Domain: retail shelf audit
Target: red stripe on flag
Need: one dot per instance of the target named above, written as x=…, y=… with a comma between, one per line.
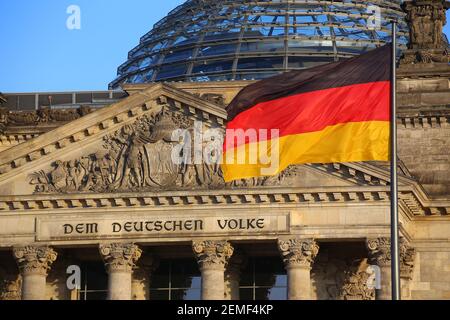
x=313, y=111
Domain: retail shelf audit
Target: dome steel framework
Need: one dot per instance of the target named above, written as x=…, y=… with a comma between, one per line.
x=213, y=40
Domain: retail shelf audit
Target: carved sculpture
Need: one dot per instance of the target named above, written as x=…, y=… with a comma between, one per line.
x=142, y=275
x=138, y=157
x=407, y=258
x=11, y=289
x=120, y=257
x=299, y=252
x=213, y=97
x=356, y=283
x=44, y=115
x=236, y=264
x=341, y=278
x=379, y=251
x=426, y=19
x=380, y=254
x=212, y=254
x=34, y=260
x=3, y=119
x=10, y=283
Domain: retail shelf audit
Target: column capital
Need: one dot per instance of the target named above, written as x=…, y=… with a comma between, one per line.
x=212, y=254
x=407, y=257
x=379, y=251
x=147, y=264
x=236, y=263
x=34, y=259
x=120, y=257
x=298, y=252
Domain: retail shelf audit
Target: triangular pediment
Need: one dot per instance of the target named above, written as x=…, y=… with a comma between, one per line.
x=31, y=164
x=127, y=147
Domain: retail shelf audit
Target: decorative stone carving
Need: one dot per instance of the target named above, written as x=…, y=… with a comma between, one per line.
x=426, y=19
x=120, y=257
x=34, y=260
x=327, y=277
x=212, y=254
x=379, y=251
x=380, y=254
x=298, y=252
x=137, y=157
x=142, y=274
x=342, y=275
x=236, y=264
x=407, y=257
x=44, y=115
x=11, y=288
x=147, y=264
x=356, y=283
x=3, y=119
x=213, y=97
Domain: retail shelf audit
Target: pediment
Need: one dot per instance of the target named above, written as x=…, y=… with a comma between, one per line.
x=76, y=145
x=127, y=147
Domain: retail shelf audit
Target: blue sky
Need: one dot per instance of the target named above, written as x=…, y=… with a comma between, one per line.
x=39, y=53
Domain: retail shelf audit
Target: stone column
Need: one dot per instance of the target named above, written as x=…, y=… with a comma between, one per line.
x=120, y=259
x=233, y=275
x=298, y=256
x=212, y=257
x=380, y=255
x=142, y=273
x=34, y=264
x=407, y=258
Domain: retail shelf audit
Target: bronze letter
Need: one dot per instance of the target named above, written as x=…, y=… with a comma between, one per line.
x=80, y=228
x=68, y=229
x=128, y=227
x=92, y=228
x=116, y=227
x=260, y=223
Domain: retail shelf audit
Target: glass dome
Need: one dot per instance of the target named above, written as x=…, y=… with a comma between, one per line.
x=214, y=40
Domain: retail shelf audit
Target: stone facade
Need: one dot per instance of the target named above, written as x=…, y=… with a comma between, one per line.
x=102, y=185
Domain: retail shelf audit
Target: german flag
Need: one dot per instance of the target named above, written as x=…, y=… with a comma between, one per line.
x=338, y=112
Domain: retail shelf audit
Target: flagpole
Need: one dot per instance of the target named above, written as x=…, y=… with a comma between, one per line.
x=395, y=265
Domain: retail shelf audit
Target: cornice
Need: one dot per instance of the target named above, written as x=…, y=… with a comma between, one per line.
x=259, y=196
x=327, y=196
x=10, y=139
x=420, y=121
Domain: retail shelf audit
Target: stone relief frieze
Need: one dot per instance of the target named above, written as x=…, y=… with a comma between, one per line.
x=138, y=157
x=342, y=279
x=213, y=97
x=135, y=157
x=44, y=115
x=426, y=21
